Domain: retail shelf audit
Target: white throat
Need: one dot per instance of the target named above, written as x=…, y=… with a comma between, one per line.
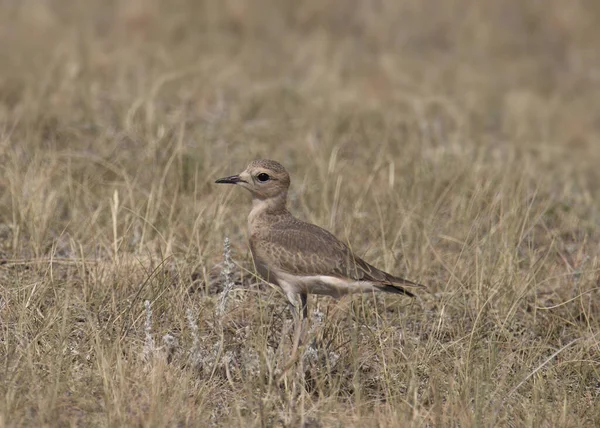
x=263, y=206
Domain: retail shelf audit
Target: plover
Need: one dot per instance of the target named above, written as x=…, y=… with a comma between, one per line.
x=300, y=257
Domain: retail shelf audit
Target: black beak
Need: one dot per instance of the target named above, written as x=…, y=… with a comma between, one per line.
x=229, y=180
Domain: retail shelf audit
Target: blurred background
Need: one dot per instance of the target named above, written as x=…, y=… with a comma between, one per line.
x=453, y=142
x=325, y=87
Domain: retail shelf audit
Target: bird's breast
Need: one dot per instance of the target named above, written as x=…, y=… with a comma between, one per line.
x=260, y=263
x=263, y=270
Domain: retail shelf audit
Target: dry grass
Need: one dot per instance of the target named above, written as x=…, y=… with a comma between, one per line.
x=456, y=143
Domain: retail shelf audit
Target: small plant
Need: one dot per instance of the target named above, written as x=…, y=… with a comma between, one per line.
x=195, y=356
x=226, y=273
x=149, y=347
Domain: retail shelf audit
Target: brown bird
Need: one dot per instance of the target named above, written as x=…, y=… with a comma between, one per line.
x=301, y=257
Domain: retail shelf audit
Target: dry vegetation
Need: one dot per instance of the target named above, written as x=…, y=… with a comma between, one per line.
x=454, y=142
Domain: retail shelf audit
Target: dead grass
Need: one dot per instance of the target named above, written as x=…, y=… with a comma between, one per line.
x=456, y=143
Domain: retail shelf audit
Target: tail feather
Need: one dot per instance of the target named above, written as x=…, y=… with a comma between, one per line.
x=388, y=288
x=396, y=286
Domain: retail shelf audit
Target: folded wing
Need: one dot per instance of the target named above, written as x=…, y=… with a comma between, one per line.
x=301, y=248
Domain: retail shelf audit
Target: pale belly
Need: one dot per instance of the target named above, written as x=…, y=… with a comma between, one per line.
x=324, y=285
x=312, y=284
x=264, y=272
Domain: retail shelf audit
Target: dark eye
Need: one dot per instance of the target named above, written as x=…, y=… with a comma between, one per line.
x=263, y=177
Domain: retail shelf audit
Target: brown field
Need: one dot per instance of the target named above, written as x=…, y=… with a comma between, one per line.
x=456, y=143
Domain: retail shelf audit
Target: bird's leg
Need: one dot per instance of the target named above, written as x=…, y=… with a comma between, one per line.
x=298, y=304
x=299, y=309
x=304, y=303
x=304, y=321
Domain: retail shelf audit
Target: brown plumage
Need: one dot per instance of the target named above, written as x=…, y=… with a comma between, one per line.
x=301, y=257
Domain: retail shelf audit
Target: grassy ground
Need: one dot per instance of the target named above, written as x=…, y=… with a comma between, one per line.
x=455, y=143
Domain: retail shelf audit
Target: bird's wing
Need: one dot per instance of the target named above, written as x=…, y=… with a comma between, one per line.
x=301, y=248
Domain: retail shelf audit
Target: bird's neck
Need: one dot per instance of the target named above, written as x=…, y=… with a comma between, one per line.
x=263, y=208
x=269, y=206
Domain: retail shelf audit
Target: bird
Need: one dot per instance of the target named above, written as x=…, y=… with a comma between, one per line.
x=300, y=257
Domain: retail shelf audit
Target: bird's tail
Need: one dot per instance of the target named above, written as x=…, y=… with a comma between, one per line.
x=398, y=286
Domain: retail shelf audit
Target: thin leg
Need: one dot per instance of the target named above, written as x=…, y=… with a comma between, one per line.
x=294, y=305
x=304, y=304
x=299, y=309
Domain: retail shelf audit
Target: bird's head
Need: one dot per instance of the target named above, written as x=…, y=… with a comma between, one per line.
x=264, y=178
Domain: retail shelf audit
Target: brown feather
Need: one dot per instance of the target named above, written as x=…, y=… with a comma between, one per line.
x=301, y=257
x=302, y=248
